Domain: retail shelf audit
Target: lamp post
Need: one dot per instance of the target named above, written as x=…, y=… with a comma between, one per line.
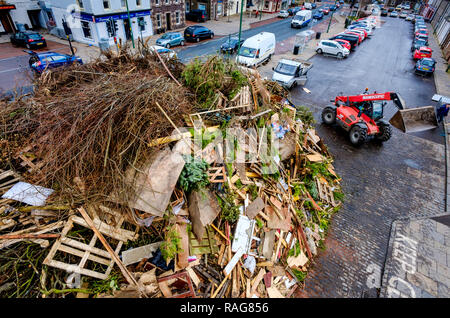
x=240, y=26
x=129, y=22
x=331, y=18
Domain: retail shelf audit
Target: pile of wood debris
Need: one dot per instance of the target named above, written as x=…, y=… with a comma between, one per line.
x=236, y=204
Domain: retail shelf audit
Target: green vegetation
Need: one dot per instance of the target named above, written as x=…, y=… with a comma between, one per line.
x=170, y=247
x=194, y=175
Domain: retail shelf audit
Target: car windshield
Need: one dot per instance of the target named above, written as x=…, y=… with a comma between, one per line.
x=427, y=62
x=299, y=17
x=165, y=36
x=285, y=69
x=247, y=52
x=34, y=36
x=230, y=41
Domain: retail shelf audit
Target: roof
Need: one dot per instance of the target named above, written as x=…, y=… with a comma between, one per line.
x=425, y=48
x=290, y=62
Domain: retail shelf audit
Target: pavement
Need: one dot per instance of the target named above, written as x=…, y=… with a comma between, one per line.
x=401, y=179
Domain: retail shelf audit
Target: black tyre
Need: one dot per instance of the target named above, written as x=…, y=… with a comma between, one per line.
x=358, y=135
x=339, y=55
x=182, y=43
x=385, y=132
x=198, y=39
x=319, y=51
x=168, y=46
x=212, y=35
x=329, y=116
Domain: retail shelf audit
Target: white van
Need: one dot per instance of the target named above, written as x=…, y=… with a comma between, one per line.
x=257, y=49
x=307, y=5
x=301, y=19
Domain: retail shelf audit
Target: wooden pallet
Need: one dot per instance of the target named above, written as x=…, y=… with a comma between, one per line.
x=325, y=193
x=7, y=180
x=178, y=281
x=217, y=174
x=205, y=246
x=86, y=252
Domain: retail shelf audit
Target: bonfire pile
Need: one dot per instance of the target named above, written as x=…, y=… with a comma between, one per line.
x=137, y=176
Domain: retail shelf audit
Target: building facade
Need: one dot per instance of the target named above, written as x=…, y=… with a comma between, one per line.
x=21, y=15
x=168, y=15
x=440, y=21
x=92, y=21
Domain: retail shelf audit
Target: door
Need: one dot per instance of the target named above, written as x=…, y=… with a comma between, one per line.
x=168, y=21
x=126, y=26
x=34, y=18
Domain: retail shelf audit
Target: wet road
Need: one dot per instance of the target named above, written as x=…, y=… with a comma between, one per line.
x=382, y=63
x=282, y=30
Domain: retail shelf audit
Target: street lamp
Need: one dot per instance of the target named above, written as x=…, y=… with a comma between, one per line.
x=240, y=26
x=130, y=24
x=331, y=18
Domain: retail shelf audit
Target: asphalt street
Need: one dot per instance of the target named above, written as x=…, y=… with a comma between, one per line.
x=382, y=63
x=14, y=72
x=282, y=30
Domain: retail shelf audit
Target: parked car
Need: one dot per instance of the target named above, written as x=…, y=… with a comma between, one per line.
x=338, y=5
x=308, y=6
x=283, y=14
x=403, y=14
x=163, y=51
x=41, y=61
x=421, y=32
x=333, y=7
x=368, y=30
x=313, y=5
x=384, y=13
x=360, y=37
x=196, y=33
x=170, y=39
x=231, y=45
x=332, y=48
x=425, y=66
x=293, y=11
x=422, y=52
x=406, y=7
x=410, y=17
x=390, y=9
x=393, y=14
x=341, y=1
x=318, y=15
x=344, y=43
x=398, y=8
x=418, y=44
x=197, y=15
x=421, y=37
x=353, y=39
x=28, y=39
x=326, y=10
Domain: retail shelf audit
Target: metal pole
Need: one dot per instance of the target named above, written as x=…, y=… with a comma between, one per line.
x=331, y=18
x=240, y=26
x=131, y=26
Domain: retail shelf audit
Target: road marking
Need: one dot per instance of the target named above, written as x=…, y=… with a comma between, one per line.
x=11, y=70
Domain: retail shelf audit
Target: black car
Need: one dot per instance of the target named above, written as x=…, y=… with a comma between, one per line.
x=28, y=39
x=353, y=39
x=195, y=33
x=313, y=5
x=231, y=45
x=418, y=44
x=197, y=15
x=293, y=11
x=333, y=8
x=384, y=13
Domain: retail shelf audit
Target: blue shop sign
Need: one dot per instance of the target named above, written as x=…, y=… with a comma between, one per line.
x=88, y=17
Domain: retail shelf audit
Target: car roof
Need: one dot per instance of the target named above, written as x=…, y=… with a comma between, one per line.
x=50, y=54
x=290, y=62
x=425, y=48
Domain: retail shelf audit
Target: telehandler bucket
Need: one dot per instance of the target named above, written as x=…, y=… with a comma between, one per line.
x=415, y=119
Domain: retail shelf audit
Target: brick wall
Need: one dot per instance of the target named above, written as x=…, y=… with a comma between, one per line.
x=161, y=8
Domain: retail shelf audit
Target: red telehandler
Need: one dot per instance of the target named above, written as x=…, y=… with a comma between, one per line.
x=362, y=116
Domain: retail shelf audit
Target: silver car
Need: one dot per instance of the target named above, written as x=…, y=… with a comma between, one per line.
x=171, y=39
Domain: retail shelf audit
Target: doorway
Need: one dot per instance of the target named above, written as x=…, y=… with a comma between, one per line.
x=168, y=21
x=34, y=19
x=6, y=23
x=126, y=25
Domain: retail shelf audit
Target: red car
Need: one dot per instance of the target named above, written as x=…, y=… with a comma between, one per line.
x=362, y=30
x=422, y=52
x=422, y=31
x=326, y=10
x=355, y=33
x=344, y=43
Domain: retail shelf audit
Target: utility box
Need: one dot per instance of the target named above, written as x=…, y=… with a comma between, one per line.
x=103, y=44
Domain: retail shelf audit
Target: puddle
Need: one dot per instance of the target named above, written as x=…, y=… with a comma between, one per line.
x=412, y=164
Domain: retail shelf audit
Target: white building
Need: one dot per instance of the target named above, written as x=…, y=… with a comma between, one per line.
x=21, y=14
x=93, y=20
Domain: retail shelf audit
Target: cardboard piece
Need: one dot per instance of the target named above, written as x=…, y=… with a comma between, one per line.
x=255, y=207
x=298, y=261
x=275, y=222
x=182, y=259
x=268, y=244
x=203, y=209
x=28, y=193
x=155, y=184
x=137, y=254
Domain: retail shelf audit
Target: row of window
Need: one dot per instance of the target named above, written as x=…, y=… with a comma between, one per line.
x=86, y=27
x=107, y=5
x=158, y=18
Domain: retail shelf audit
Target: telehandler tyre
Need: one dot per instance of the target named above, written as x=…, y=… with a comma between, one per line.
x=385, y=132
x=329, y=116
x=358, y=135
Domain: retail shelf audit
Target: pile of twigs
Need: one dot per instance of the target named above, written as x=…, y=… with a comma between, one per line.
x=97, y=123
